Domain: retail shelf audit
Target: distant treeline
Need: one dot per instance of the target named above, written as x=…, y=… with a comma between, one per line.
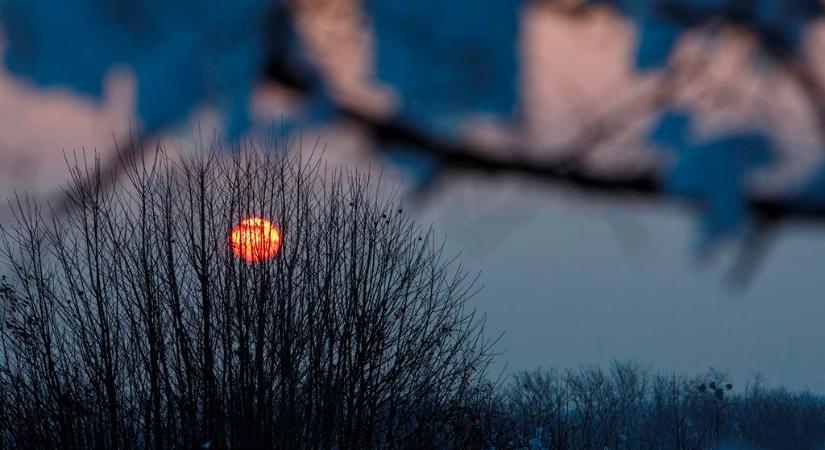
x=629, y=407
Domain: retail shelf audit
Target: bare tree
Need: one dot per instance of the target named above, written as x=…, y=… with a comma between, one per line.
x=129, y=322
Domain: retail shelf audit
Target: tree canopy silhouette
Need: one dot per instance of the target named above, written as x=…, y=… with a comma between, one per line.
x=130, y=323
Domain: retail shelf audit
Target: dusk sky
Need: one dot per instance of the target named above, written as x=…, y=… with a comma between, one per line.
x=571, y=281
x=575, y=282
x=573, y=285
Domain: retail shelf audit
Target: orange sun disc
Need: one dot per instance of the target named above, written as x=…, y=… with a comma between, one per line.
x=255, y=239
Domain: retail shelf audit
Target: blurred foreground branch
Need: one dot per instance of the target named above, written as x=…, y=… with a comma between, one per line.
x=458, y=155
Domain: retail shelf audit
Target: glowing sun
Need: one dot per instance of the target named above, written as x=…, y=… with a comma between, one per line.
x=255, y=239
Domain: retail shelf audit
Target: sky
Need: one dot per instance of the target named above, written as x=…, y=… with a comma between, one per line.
x=576, y=282
x=570, y=281
x=574, y=285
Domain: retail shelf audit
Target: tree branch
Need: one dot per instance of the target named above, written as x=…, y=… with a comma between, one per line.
x=459, y=155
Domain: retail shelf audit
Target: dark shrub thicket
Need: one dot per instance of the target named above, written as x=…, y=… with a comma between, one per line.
x=128, y=323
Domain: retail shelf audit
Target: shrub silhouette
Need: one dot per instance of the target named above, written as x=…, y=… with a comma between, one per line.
x=128, y=323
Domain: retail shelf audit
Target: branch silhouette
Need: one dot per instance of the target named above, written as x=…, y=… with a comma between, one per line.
x=567, y=172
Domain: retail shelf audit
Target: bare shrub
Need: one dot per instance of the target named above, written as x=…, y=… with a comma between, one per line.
x=128, y=322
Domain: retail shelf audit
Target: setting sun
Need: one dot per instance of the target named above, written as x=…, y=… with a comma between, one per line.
x=255, y=239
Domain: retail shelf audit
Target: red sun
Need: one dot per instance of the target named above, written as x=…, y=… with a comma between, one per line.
x=255, y=239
